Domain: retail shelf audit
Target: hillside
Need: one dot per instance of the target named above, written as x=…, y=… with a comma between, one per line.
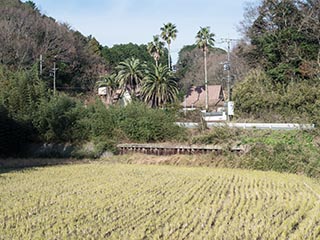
x=98, y=201
x=26, y=34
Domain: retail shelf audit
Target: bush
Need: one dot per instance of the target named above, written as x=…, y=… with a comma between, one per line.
x=282, y=151
x=143, y=124
x=60, y=120
x=218, y=135
x=259, y=97
x=135, y=122
x=102, y=121
x=21, y=92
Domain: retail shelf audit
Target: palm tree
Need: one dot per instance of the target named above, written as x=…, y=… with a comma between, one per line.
x=111, y=83
x=169, y=33
x=155, y=48
x=130, y=73
x=158, y=86
x=204, y=39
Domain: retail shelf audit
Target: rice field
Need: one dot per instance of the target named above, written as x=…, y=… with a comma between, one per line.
x=118, y=201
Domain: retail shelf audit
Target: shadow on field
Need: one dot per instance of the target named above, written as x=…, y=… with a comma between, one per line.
x=16, y=169
x=27, y=164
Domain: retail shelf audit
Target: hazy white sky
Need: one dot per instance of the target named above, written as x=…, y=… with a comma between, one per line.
x=123, y=21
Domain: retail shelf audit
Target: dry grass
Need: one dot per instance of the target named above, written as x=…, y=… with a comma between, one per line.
x=119, y=201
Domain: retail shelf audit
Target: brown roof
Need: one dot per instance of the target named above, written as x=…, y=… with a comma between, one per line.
x=196, y=96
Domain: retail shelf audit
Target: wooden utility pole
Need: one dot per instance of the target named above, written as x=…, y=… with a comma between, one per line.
x=54, y=75
x=41, y=62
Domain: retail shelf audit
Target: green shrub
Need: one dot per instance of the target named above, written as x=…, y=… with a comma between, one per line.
x=259, y=97
x=135, y=122
x=21, y=92
x=60, y=120
x=144, y=124
x=102, y=121
x=218, y=135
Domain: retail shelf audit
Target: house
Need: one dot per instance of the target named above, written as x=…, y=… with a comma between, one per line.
x=123, y=97
x=196, y=97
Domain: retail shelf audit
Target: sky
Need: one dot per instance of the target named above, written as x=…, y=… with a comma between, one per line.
x=123, y=21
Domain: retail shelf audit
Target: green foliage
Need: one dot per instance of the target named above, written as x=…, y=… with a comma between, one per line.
x=135, y=122
x=159, y=87
x=120, y=52
x=168, y=33
x=294, y=153
x=32, y=5
x=148, y=125
x=130, y=73
x=60, y=120
x=20, y=92
x=156, y=48
x=256, y=95
x=102, y=121
x=218, y=135
x=282, y=39
x=204, y=38
x=27, y=33
x=94, y=149
x=283, y=151
x=259, y=97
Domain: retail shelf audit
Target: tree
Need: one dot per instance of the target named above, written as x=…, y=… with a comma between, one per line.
x=190, y=66
x=311, y=26
x=21, y=92
x=32, y=5
x=26, y=34
x=204, y=39
x=120, y=52
x=155, y=48
x=94, y=46
x=284, y=39
x=169, y=33
x=130, y=74
x=159, y=87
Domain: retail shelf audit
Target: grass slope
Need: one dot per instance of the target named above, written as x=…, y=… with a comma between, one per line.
x=118, y=201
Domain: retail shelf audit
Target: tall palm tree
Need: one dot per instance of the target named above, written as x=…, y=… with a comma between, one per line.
x=159, y=87
x=205, y=39
x=169, y=33
x=130, y=73
x=110, y=82
x=155, y=48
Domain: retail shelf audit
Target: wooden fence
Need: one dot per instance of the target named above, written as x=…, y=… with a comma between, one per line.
x=158, y=149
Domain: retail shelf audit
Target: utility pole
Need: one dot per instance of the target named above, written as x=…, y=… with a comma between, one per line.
x=41, y=61
x=54, y=75
x=227, y=67
x=206, y=80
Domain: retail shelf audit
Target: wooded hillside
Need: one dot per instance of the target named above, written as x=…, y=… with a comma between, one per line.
x=26, y=34
x=283, y=52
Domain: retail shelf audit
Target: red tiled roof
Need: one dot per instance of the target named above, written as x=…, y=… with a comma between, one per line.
x=196, y=96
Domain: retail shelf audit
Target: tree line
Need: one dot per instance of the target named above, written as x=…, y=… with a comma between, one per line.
x=283, y=53
x=277, y=63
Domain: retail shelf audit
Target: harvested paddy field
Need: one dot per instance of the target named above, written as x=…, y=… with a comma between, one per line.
x=119, y=201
